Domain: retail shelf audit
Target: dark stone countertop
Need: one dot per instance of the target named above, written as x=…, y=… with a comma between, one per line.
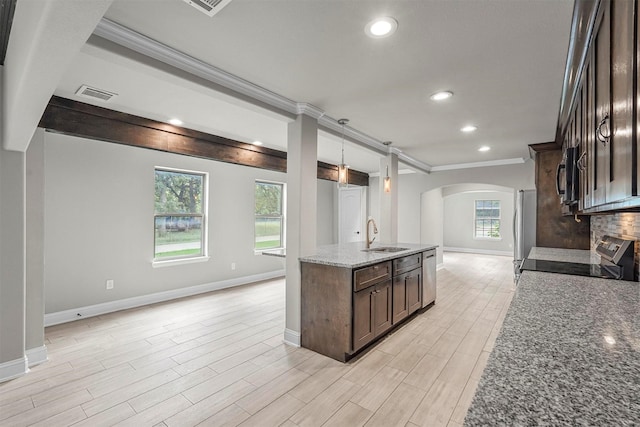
x=568, y=354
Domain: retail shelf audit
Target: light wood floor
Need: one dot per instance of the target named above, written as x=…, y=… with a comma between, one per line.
x=218, y=359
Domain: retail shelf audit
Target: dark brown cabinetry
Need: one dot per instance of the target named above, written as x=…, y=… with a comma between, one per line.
x=603, y=122
x=407, y=284
x=406, y=294
x=371, y=304
x=344, y=309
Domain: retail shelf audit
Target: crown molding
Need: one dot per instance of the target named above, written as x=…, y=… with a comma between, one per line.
x=309, y=110
x=503, y=162
x=142, y=44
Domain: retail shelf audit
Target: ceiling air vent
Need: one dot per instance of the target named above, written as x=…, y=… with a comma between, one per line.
x=208, y=7
x=92, y=92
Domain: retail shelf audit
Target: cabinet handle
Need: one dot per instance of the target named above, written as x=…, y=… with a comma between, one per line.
x=561, y=166
x=602, y=136
x=579, y=163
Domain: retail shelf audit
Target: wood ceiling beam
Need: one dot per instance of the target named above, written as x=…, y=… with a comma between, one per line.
x=75, y=118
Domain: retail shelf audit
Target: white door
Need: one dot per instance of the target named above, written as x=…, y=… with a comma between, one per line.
x=350, y=215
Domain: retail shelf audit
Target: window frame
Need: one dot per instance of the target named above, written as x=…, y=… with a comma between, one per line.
x=282, y=216
x=204, y=220
x=475, y=219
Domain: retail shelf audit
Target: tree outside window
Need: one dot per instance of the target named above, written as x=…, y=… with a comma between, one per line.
x=487, y=219
x=269, y=218
x=179, y=214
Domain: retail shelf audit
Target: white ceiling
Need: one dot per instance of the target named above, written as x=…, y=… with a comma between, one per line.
x=503, y=59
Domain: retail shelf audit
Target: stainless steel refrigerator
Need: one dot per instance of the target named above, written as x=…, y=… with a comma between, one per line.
x=524, y=227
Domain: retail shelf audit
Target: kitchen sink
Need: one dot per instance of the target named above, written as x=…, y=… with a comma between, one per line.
x=385, y=249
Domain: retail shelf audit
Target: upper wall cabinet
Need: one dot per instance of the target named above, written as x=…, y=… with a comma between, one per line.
x=603, y=123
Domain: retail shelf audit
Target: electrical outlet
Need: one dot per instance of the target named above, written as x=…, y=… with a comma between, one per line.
x=110, y=284
x=233, y=265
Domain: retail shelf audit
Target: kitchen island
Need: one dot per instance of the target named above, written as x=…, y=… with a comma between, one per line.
x=568, y=353
x=351, y=295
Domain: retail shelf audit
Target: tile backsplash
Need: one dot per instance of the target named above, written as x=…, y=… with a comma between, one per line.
x=624, y=225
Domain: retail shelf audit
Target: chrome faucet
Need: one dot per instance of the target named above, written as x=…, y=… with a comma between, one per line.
x=375, y=231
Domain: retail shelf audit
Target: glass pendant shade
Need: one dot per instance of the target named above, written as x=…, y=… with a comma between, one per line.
x=343, y=169
x=343, y=172
x=387, y=182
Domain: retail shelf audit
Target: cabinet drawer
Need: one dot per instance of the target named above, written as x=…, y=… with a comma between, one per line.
x=371, y=275
x=407, y=263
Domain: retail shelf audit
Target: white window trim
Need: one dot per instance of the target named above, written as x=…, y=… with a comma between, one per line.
x=284, y=216
x=159, y=262
x=495, y=239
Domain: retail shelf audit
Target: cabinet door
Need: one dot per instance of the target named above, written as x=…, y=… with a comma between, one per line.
x=363, y=322
x=602, y=104
x=414, y=290
x=400, y=308
x=382, y=308
x=586, y=162
x=621, y=182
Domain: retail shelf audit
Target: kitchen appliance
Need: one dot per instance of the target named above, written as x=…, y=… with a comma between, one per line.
x=524, y=227
x=616, y=262
x=567, y=177
x=428, y=277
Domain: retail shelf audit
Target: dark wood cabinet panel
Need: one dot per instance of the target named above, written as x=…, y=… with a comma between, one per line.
x=602, y=106
x=400, y=308
x=382, y=308
x=363, y=330
x=414, y=291
x=365, y=277
x=371, y=313
x=622, y=145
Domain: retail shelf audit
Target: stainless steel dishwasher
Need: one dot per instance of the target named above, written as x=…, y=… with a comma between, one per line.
x=428, y=277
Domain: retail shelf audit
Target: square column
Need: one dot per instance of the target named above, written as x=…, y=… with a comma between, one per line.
x=302, y=189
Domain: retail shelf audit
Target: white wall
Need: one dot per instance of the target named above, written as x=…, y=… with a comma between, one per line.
x=432, y=208
x=411, y=209
x=459, y=222
x=327, y=212
x=99, y=201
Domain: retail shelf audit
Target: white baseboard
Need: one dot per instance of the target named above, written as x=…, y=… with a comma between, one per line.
x=65, y=316
x=13, y=369
x=478, y=251
x=292, y=337
x=36, y=356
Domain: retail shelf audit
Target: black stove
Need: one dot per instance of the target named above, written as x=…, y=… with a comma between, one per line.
x=572, y=268
x=616, y=262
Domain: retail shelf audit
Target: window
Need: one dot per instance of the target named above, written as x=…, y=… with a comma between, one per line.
x=487, y=219
x=180, y=206
x=269, y=222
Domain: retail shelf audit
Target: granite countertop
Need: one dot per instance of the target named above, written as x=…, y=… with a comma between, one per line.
x=578, y=256
x=568, y=354
x=351, y=255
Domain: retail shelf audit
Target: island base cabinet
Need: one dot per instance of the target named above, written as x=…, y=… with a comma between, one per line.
x=371, y=314
x=344, y=310
x=406, y=294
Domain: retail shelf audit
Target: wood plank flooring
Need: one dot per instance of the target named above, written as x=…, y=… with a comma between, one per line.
x=218, y=359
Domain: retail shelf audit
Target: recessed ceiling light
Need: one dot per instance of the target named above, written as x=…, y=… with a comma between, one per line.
x=484, y=148
x=469, y=128
x=175, y=122
x=381, y=27
x=257, y=142
x=440, y=96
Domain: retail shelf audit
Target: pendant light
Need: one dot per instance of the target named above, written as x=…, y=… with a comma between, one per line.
x=387, y=182
x=387, y=179
x=343, y=170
